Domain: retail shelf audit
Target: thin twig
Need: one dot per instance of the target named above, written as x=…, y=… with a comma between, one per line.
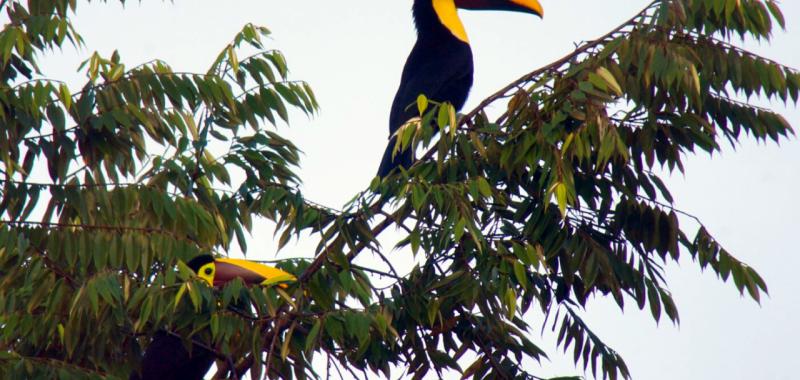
x=85, y=226
x=377, y=272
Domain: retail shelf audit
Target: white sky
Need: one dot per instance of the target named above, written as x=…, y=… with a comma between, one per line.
x=352, y=53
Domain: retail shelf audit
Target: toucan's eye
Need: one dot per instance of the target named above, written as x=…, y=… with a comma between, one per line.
x=209, y=271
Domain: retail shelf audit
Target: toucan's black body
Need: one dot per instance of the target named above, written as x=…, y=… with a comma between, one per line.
x=167, y=358
x=439, y=66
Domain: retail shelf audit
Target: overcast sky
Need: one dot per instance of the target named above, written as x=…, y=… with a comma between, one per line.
x=352, y=53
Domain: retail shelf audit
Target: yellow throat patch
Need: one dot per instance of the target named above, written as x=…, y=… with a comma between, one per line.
x=448, y=15
x=206, y=272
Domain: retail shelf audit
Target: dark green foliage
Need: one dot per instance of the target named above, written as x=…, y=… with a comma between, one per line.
x=555, y=201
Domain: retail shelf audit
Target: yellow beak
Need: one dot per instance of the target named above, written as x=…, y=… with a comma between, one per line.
x=250, y=272
x=526, y=6
x=533, y=5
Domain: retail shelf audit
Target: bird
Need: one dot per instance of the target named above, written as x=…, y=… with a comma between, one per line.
x=166, y=358
x=440, y=64
x=219, y=271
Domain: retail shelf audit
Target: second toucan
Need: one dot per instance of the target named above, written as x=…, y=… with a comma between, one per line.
x=219, y=271
x=166, y=357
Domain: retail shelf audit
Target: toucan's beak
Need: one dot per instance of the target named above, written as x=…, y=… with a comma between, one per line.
x=526, y=6
x=250, y=272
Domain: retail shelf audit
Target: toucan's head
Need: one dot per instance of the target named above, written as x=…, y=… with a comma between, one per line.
x=218, y=272
x=526, y=6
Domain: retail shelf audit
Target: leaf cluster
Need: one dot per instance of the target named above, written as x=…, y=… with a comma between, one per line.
x=106, y=188
x=558, y=200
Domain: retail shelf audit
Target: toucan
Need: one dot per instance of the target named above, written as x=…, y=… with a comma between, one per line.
x=440, y=64
x=219, y=271
x=166, y=358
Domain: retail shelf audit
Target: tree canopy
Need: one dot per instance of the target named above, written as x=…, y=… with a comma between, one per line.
x=107, y=189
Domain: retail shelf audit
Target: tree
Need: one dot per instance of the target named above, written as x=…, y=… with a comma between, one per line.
x=558, y=199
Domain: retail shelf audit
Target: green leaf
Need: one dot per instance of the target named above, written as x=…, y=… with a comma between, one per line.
x=194, y=296
x=510, y=301
x=422, y=104
x=776, y=13
x=484, y=187
x=415, y=241
x=561, y=198
x=179, y=295
x=521, y=274
x=459, y=229
x=311, y=338
x=286, y=340
x=65, y=96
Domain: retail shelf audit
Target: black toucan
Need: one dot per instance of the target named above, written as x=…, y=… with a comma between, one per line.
x=440, y=64
x=166, y=358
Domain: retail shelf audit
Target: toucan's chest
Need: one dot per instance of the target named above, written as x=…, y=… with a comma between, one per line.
x=448, y=60
x=441, y=69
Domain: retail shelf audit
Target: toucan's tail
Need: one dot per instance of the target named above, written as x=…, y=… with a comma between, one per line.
x=403, y=159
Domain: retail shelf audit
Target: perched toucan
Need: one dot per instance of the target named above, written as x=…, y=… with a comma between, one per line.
x=440, y=64
x=166, y=358
x=219, y=271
